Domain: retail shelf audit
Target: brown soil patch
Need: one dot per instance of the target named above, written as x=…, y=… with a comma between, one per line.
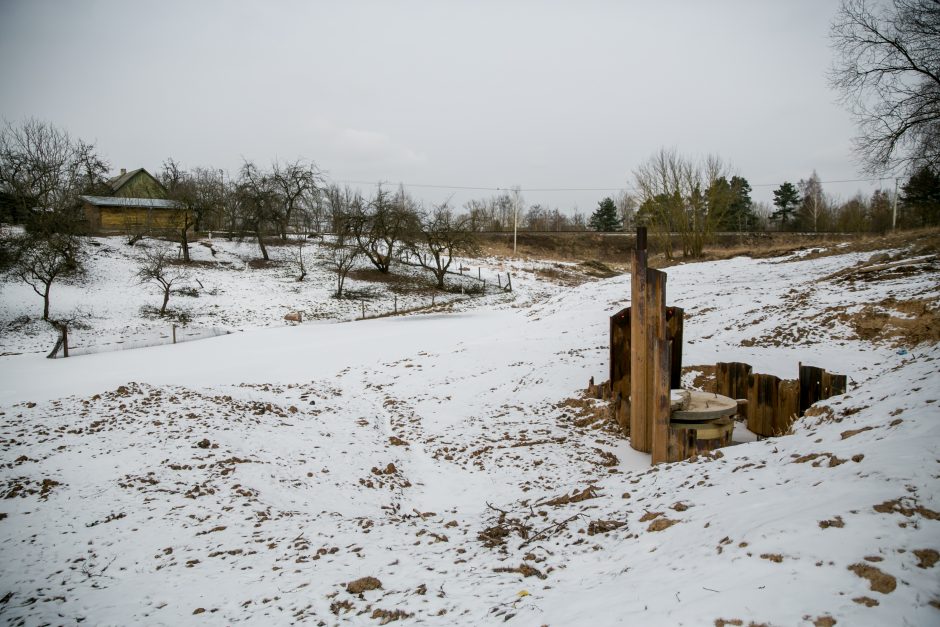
x=362, y=585
x=660, y=524
x=603, y=526
x=866, y=601
x=835, y=522
x=878, y=581
x=773, y=557
x=926, y=558
x=898, y=506
x=523, y=569
x=848, y=434
x=704, y=377
x=388, y=616
x=902, y=323
x=589, y=492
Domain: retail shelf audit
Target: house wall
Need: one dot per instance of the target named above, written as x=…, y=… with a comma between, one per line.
x=92, y=216
x=141, y=185
x=128, y=220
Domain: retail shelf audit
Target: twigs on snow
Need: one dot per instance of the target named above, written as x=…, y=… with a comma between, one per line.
x=550, y=528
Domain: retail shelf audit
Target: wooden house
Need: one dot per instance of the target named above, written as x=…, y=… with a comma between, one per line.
x=137, y=203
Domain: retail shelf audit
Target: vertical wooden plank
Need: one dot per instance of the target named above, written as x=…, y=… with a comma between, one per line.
x=660, y=371
x=732, y=379
x=839, y=384
x=810, y=386
x=674, y=323
x=620, y=367
x=788, y=405
x=762, y=403
x=639, y=433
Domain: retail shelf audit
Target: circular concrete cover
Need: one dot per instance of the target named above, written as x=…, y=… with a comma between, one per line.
x=706, y=406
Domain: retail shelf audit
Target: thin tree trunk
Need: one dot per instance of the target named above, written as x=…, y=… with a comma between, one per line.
x=45, y=301
x=184, y=242
x=264, y=251
x=166, y=299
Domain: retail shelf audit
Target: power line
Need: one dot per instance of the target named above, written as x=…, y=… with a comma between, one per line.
x=573, y=189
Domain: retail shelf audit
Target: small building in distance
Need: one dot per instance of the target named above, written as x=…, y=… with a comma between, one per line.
x=137, y=203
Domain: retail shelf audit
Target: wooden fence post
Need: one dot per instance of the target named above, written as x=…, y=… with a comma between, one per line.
x=396, y=303
x=639, y=362
x=509, y=281
x=173, y=331
x=499, y=280
x=658, y=350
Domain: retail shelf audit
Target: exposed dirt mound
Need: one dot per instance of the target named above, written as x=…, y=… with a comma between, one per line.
x=906, y=323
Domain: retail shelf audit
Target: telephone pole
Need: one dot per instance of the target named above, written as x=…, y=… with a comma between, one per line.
x=894, y=210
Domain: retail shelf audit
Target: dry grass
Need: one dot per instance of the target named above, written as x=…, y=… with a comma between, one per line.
x=615, y=248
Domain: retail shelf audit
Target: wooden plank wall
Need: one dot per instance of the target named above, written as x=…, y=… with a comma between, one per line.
x=773, y=404
x=620, y=357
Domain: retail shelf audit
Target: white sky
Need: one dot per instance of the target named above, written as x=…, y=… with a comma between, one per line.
x=465, y=93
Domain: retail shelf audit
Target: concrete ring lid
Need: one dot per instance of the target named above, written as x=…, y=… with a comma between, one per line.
x=706, y=406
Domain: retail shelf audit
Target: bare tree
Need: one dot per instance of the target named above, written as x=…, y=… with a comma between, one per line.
x=299, y=259
x=42, y=258
x=675, y=198
x=443, y=235
x=180, y=189
x=157, y=267
x=344, y=250
x=338, y=202
x=381, y=226
x=888, y=72
x=813, y=212
x=297, y=183
x=257, y=204
x=42, y=173
x=626, y=208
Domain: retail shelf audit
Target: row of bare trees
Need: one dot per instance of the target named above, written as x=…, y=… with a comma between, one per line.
x=391, y=228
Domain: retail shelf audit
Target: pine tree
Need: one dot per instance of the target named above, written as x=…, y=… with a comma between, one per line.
x=786, y=199
x=741, y=211
x=605, y=219
x=921, y=197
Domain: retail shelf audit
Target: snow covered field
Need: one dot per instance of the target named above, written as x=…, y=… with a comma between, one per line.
x=444, y=468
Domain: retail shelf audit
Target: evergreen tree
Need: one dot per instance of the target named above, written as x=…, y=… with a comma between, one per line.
x=741, y=211
x=921, y=197
x=786, y=199
x=605, y=219
x=733, y=201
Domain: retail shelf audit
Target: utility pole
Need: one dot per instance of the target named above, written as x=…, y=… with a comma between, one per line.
x=221, y=215
x=894, y=210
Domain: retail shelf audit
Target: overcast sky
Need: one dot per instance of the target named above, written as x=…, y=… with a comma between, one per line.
x=459, y=93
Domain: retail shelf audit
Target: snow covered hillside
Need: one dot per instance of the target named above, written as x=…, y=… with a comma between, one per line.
x=445, y=468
